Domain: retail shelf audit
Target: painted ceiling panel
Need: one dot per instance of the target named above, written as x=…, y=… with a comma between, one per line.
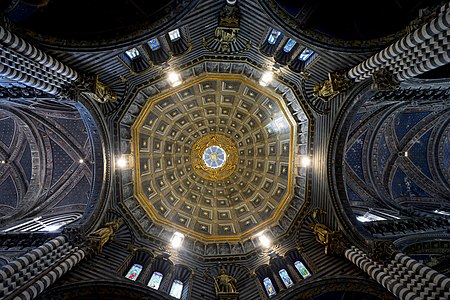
x=61, y=161
x=26, y=161
x=78, y=195
x=383, y=154
x=8, y=192
x=7, y=127
x=402, y=186
x=405, y=121
x=76, y=128
x=354, y=156
x=418, y=154
x=352, y=196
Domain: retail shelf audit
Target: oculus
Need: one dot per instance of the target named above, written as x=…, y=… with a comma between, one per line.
x=214, y=157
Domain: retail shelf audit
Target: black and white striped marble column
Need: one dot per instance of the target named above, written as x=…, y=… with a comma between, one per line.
x=420, y=51
x=29, y=275
x=406, y=278
x=17, y=44
x=22, y=62
x=48, y=279
x=440, y=284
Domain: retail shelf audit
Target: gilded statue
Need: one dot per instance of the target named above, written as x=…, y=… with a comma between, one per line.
x=336, y=83
x=224, y=283
x=321, y=233
x=334, y=241
x=324, y=90
x=104, y=234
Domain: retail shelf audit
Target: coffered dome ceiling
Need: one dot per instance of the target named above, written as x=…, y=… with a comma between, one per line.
x=214, y=158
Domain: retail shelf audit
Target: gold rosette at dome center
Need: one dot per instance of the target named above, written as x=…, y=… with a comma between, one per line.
x=199, y=165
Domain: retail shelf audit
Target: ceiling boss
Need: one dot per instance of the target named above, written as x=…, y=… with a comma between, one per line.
x=214, y=157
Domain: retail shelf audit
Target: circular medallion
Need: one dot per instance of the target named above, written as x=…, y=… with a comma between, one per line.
x=214, y=157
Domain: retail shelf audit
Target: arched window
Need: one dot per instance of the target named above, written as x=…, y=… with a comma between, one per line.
x=134, y=59
x=156, y=51
x=303, y=60
x=132, y=53
x=286, y=278
x=305, y=54
x=270, y=289
x=176, y=289
x=270, y=44
x=137, y=264
x=302, y=269
x=154, y=44
x=177, y=40
x=155, y=280
x=174, y=35
x=273, y=36
x=134, y=272
x=289, y=45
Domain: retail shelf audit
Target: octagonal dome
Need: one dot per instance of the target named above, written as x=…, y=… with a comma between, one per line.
x=214, y=158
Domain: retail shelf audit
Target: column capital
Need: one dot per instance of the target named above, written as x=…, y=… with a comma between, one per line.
x=90, y=88
x=381, y=250
x=384, y=80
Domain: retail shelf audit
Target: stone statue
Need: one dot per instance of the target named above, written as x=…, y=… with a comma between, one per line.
x=224, y=283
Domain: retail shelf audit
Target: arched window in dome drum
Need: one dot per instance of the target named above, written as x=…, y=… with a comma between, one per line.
x=176, y=289
x=154, y=44
x=134, y=272
x=289, y=45
x=155, y=280
x=273, y=36
x=302, y=269
x=286, y=278
x=269, y=287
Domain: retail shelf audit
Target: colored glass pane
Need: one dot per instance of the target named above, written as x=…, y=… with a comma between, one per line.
x=176, y=289
x=134, y=271
x=132, y=53
x=155, y=280
x=174, y=34
x=214, y=157
x=154, y=44
x=285, y=277
x=273, y=36
x=306, y=53
x=269, y=287
x=302, y=269
x=289, y=45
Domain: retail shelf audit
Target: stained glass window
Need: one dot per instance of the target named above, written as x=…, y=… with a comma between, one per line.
x=289, y=45
x=306, y=53
x=176, y=289
x=132, y=53
x=154, y=44
x=273, y=36
x=214, y=157
x=285, y=277
x=155, y=280
x=174, y=34
x=134, y=271
x=302, y=269
x=269, y=287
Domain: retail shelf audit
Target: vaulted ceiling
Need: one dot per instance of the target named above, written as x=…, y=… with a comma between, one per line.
x=157, y=127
